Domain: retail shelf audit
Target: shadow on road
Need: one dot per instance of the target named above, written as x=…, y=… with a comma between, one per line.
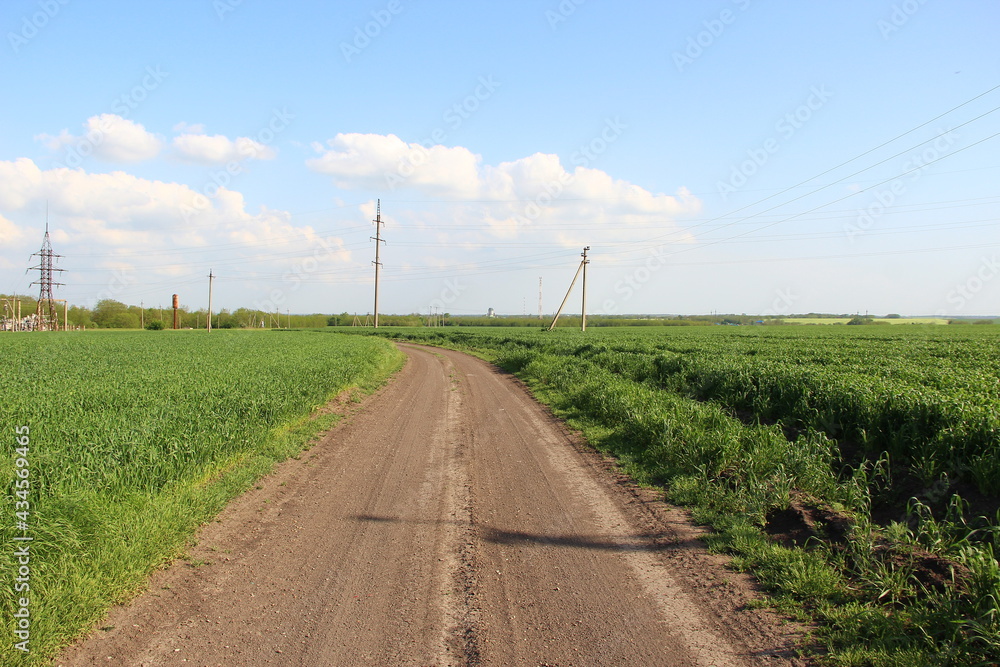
x=647, y=542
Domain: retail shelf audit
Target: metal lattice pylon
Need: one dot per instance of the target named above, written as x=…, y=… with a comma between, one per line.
x=48, y=319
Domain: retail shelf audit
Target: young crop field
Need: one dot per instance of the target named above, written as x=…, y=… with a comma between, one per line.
x=880, y=320
x=854, y=470
x=120, y=444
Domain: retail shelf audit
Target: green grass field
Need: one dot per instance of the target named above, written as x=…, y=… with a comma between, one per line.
x=845, y=320
x=130, y=440
x=854, y=469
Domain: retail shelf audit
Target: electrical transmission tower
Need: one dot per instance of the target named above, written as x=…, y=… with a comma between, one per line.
x=378, y=242
x=47, y=315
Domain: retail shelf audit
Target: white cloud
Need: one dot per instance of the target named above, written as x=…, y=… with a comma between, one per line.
x=115, y=220
x=192, y=128
x=219, y=149
x=55, y=143
x=10, y=234
x=378, y=161
x=531, y=193
x=20, y=182
x=471, y=215
x=108, y=137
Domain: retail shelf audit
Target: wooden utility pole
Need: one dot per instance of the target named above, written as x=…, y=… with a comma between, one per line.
x=142, y=317
x=378, y=242
x=583, y=309
x=12, y=311
x=583, y=268
x=210, y=279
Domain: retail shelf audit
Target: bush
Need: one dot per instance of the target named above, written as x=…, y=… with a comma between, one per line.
x=155, y=325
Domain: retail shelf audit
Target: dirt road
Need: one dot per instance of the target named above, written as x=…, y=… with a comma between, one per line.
x=449, y=521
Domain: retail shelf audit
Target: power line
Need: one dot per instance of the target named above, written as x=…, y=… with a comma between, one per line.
x=883, y=144
x=841, y=180
x=853, y=194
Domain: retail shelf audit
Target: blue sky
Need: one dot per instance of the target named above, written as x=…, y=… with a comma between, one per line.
x=729, y=156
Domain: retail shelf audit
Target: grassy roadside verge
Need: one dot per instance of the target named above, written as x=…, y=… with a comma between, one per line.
x=923, y=591
x=143, y=437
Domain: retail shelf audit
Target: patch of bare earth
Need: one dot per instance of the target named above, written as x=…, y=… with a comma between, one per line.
x=451, y=520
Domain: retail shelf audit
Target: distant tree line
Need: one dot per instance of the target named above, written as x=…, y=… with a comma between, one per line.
x=111, y=314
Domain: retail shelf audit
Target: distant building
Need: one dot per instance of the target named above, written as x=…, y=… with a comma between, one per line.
x=491, y=313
